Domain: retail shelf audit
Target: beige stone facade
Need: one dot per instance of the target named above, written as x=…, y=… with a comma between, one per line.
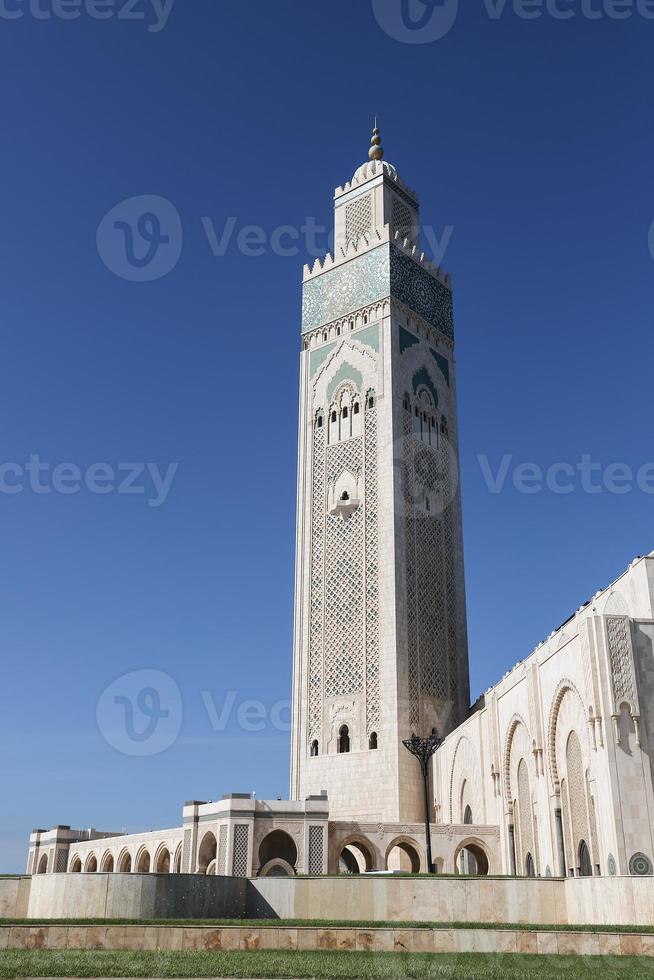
x=550, y=773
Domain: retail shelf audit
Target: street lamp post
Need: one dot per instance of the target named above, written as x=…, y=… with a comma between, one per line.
x=423, y=749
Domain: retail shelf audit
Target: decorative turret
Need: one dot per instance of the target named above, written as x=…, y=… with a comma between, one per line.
x=374, y=198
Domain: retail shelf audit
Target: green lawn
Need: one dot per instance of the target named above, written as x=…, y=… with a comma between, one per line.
x=318, y=966
x=326, y=924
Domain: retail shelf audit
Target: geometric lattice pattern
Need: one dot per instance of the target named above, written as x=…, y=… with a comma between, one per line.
x=568, y=845
x=401, y=218
x=525, y=823
x=358, y=217
x=577, y=796
x=344, y=601
x=620, y=658
x=319, y=504
x=222, y=850
x=430, y=579
x=240, y=851
x=372, y=573
x=344, y=595
x=62, y=860
x=188, y=835
x=316, y=846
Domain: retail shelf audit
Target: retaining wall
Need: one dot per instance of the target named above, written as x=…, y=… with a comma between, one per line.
x=541, y=901
x=136, y=896
x=369, y=940
x=14, y=897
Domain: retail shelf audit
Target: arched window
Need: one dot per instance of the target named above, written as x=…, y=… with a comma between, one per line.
x=355, y=408
x=344, y=739
x=585, y=866
x=345, y=496
x=372, y=741
x=467, y=816
x=314, y=747
x=319, y=421
x=345, y=411
x=530, y=868
x=371, y=402
x=334, y=416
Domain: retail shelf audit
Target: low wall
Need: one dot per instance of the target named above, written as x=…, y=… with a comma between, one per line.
x=135, y=896
x=14, y=896
x=539, y=901
x=396, y=899
x=610, y=901
x=369, y=940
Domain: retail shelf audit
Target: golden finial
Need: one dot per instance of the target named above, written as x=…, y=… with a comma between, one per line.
x=376, y=151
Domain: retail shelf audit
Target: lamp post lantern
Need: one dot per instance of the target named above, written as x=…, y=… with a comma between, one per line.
x=423, y=749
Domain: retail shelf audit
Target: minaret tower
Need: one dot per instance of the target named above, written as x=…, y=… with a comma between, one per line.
x=380, y=645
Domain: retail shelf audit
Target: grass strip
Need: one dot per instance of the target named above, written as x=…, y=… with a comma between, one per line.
x=323, y=965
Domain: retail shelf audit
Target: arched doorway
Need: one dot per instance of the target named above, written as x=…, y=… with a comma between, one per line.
x=278, y=846
x=43, y=865
x=471, y=859
x=143, y=862
x=75, y=865
x=585, y=863
x=355, y=857
x=163, y=861
x=277, y=868
x=178, y=860
x=91, y=864
x=467, y=816
x=108, y=863
x=403, y=855
x=207, y=852
x=530, y=867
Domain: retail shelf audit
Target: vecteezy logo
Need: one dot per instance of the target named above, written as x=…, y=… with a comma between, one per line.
x=140, y=713
x=416, y=21
x=140, y=239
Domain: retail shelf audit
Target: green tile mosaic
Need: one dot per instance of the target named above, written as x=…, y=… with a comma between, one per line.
x=346, y=372
x=318, y=357
x=368, y=336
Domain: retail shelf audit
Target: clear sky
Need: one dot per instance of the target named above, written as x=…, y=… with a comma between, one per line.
x=530, y=138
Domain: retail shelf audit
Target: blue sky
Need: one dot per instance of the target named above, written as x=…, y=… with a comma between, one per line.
x=530, y=138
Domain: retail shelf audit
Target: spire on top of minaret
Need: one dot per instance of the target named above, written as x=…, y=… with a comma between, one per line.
x=376, y=151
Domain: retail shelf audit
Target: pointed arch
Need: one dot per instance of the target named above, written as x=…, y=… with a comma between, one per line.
x=125, y=861
x=465, y=776
x=107, y=862
x=162, y=859
x=516, y=721
x=574, y=709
